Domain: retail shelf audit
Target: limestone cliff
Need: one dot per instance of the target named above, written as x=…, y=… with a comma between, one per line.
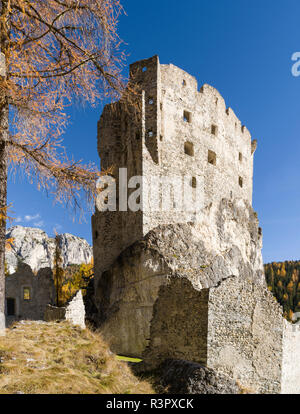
x=35, y=248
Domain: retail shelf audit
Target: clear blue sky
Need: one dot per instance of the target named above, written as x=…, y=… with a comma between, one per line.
x=244, y=49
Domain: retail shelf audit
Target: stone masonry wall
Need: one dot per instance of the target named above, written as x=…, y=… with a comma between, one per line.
x=74, y=312
x=290, y=379
x=230, y=141
x=53, y=313
x=188, y=285
x=179, y=324
x=114, y=231
x=205, y=253
x=168, y=297
x=41, y=288
x=152, y=144
x=127, y=292
x=245, y=334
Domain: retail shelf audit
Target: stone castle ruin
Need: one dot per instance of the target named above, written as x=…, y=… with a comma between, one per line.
x=188, y=285
x=27, y=293
x=29, y=283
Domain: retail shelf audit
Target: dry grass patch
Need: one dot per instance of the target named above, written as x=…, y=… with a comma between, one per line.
x=57, y=358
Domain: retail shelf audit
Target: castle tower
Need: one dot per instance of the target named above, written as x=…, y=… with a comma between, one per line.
x=177, y=283
x=180, y=132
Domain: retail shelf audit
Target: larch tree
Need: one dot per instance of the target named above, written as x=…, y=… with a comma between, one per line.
x=58, y=270
x=53, y=52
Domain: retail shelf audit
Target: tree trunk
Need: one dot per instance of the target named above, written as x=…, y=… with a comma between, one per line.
x=3, y=205
x=4, y=108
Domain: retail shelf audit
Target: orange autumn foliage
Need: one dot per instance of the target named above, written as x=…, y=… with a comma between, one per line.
x=56, y=52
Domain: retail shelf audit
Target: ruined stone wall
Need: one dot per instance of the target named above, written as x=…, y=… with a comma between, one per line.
x=127, y=292
x=41, y=288
x=74, y=311
x=227, y=242
x=212, y=129
x=54, y=313
x=245, y=334
x=188, y=285
x=235, y=328
x=290, y=379
x=152, y=143
x=179, y=324
x=174, y=294
x=119, y=146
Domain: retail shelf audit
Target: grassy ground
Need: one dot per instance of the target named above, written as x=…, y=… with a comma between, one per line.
x=56, y=358
x=128, y=359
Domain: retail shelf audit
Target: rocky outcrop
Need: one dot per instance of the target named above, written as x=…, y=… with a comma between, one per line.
x=35, y=248
x=183, y=377
x=225, y=243
x=197, y=292
x=187, y=282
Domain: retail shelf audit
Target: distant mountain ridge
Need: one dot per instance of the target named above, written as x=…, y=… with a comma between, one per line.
x=34, y=247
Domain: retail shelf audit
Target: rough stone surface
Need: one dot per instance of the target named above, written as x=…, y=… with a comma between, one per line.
x=183, y=377
x=245, y=334
x=124, y=142
x=35, y=248
x=142, y=273
x=2, y=323
x=2, y=65
x=188, y=285
x=41, y=290
x=30, y=261
x=54, y=313
x=73, y=312
x=291, y=357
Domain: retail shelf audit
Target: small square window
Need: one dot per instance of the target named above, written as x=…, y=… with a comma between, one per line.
x=241, y=182
x=212, y=157
x=189, y=148
x=184, y=82
x=187, y=116
x=214, y=130
x=26, y=293
x=194, y=182
x=240, y=157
